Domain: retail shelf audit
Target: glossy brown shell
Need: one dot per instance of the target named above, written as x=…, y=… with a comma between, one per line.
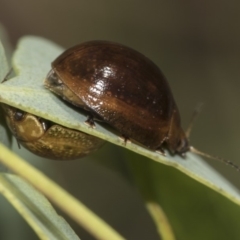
x=56, y=142
x=123, y=88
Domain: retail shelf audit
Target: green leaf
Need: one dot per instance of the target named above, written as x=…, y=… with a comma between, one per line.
x=35, y=208
x=5, y=136
x=32, y=61
x=67, y=203
x=37, y=211
x=193, y=211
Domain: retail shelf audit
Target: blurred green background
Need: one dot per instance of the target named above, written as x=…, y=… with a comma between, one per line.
x=197, y=46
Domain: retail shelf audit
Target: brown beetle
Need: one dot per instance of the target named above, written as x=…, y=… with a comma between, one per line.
x=47, y=139
x=122, y=87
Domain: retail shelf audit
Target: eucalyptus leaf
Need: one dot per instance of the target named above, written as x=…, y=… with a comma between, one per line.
x=35, y=208
x=67, y=203
x=5, y=136
x=192, y=210
x=32, y=61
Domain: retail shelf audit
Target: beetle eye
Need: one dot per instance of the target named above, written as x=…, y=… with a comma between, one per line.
x=18, y=115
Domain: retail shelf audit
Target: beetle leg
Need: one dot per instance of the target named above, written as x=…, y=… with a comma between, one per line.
x=183, y=155
x=90, y=121
x=161, y=151
x=19, y=146
x=125, y=139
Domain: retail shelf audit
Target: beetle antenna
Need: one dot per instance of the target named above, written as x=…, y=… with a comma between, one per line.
x=194, y=150
x=227, y=162
x=195, y=114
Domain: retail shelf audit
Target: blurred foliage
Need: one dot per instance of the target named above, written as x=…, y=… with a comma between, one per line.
x=194, y=211
x=197, y=45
